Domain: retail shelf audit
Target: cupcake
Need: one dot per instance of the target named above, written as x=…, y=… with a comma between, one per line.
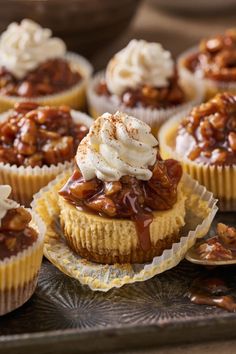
x=213, y=63
x=21, y=251
x=143, y=81
x=35, y=66
x=123, y=203
x=204, y=140
x=37, y=143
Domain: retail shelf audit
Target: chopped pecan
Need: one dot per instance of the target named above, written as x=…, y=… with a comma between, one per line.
x=213, y=127
x=37, y=136
x=15, y=219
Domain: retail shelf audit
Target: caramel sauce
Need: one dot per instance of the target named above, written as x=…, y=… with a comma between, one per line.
x=142, y=225
x=213, y=292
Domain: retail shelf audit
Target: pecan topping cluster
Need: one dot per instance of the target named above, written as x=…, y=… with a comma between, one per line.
x=37, y=136
x=129, y=196
x=220, y=247
x=15, y=233
x=216, y=57
x=213, y=126
x=148, y=96
x=52, y=76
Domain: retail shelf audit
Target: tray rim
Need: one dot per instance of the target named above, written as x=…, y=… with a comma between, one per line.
x=199, y=330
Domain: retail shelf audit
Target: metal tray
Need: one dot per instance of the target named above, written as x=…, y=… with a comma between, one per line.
x=65, y=317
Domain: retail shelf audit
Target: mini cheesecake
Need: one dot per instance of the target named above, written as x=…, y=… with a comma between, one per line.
x=212, y=63
x=36, y=144
x=21, y=251
x=123, y=203
x=204, y=141
x=36, y=66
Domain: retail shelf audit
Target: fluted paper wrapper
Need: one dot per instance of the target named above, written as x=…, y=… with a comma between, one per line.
x=74, y=97
x=19, y=274
x=200, y=211
x=220, y=180
x=99, y=104
x=210, y=87
x=26, y=181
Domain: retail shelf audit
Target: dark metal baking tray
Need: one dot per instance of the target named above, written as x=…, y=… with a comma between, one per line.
x=66, y=317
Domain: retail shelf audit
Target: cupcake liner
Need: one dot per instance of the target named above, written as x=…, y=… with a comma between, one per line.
x=200, y=211
x=26, y=181
x=210, y=87
x=153, y=117
x=18, y=274
x=220, y=180
x=75, y=97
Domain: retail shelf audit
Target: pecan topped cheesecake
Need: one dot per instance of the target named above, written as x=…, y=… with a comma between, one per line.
x=142, y=74
x=204, y=140
x=37, y=143
x=213, y=62
x=21, y=250
x=36, y=136
x=35, y=65
x=123, y=203
x=208, y=134
x=141, y=79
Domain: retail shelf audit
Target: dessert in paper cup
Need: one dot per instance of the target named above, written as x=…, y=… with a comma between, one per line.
x=36, y=144
x=21, y=252
x=36, y=66
x=204, y=141
x=123, y=214
x=142, y=80
x=212, y=64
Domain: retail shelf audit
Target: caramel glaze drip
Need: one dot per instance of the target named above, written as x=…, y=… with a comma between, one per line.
x=212, y=291
x=128, y=198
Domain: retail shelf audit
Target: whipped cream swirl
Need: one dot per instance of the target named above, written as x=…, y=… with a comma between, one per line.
x=117, y=145
x=137, y=64
x=24, y=46
x=5, y=203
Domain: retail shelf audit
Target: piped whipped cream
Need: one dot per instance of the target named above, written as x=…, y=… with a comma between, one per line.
x=5, y=203
x=117, y=145
x=25, y=45
x=137, y=64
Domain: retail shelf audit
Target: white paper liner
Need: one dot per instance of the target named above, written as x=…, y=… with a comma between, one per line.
x=76, y=61
x=200, y=211
x=100, y=104
x=210, y=87
x=19, y=273
x=25, y=181
x=220, y=180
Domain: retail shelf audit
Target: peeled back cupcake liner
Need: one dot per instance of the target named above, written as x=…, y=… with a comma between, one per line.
x=74, y=97
x=26, y=181
x=220, y=180
x=210, y=87
x=99, y=104
x=200, y=211
x=19, y=273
